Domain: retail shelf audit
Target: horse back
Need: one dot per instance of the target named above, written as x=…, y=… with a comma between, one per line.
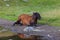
x=25, y=18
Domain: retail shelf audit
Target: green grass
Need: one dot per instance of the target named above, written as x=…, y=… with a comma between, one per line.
x=49, y=10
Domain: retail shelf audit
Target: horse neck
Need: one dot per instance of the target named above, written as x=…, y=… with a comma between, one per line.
x=35, y=19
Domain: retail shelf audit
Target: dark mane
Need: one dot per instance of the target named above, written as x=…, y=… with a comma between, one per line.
x=36, y=16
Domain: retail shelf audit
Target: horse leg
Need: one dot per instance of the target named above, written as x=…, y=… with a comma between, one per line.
x=33, y=24
x=17, y=22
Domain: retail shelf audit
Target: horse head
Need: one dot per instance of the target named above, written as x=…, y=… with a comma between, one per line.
x=36, y=15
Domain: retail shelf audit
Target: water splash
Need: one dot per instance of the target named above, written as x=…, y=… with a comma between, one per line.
x=39, y=30
x=49, y=35
x=28, y=29
x=59, y=30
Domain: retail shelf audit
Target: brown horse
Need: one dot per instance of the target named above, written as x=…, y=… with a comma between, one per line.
x=25, y=19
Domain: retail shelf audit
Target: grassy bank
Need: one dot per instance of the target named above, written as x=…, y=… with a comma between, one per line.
x=49, y=10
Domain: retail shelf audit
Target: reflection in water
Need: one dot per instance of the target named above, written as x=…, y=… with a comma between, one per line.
x=34, y=37
x=43, y=34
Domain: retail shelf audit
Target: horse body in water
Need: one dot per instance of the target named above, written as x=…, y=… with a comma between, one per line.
x=26, y=19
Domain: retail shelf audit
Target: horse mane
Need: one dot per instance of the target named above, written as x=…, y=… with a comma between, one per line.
x=36, y=16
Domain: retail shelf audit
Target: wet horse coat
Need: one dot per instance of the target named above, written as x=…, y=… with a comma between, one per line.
x=26, y=19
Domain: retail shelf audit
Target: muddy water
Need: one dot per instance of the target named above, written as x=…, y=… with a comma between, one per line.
x=48, y=32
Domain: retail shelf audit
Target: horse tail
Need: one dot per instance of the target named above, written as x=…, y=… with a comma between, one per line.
x=17, y=22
